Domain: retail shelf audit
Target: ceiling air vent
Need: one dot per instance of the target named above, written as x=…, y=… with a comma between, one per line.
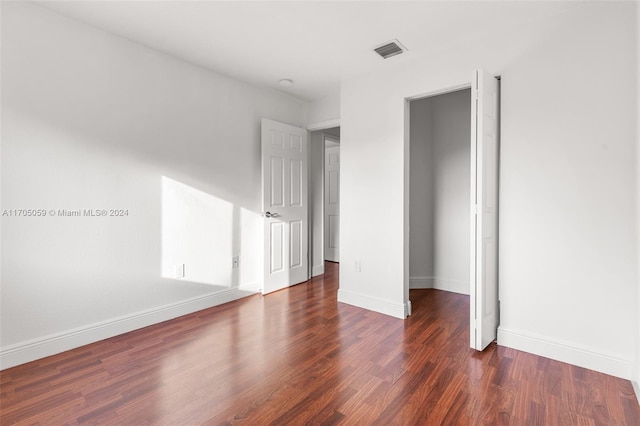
x=389, y=49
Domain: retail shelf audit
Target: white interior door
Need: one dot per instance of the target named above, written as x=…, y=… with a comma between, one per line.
x=484, y=210
x=284, y=205
x=332, y=203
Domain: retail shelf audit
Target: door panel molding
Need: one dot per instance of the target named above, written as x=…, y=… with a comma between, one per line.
x=284, y=205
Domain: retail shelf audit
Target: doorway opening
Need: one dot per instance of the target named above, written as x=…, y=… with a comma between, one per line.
x=324, y=194
x=440, y=192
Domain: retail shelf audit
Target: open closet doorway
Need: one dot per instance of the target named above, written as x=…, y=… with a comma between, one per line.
x=440, y=192
x=453, y=198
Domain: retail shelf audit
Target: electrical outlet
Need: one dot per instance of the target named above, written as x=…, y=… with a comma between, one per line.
x=236, y=261
x=358, y=266
x=179, y=270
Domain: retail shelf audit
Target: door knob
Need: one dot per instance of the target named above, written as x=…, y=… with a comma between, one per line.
x=269, y=214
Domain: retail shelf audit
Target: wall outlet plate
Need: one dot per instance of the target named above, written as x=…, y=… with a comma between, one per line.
x=179, y=270
x=236, y=261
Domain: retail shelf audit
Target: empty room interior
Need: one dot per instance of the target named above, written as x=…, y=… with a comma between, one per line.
x=297, y=212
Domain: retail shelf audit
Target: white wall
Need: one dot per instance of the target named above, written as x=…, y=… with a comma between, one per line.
x=421, y=215
x=324, y=112
x=439, y=209
x=568, y=277
x=316, y=197
x=333, y=131
x=93, y=121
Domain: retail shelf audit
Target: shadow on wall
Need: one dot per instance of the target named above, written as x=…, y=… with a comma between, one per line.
x=199, y=241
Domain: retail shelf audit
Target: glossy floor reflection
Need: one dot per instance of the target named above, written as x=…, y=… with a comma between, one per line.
x=298, y=357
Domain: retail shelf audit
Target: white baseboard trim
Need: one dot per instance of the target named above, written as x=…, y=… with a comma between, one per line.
x=438, y=283
x=565, y=352
x=31, y=350
x=453, y=286
x=317, y=270
x=398, y=310
x=417, y=283
x=636, y=389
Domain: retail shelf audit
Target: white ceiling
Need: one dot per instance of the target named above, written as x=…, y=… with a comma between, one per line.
x=316, y=44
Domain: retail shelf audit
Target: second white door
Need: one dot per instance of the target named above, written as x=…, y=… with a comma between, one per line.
x=332, y=203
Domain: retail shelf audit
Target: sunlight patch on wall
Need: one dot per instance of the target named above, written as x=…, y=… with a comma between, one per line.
x=251, y=243
x=197, y=232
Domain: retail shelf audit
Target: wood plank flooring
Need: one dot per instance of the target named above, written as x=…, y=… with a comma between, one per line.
x=298, y=357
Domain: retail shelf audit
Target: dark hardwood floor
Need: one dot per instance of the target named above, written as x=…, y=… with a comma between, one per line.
x=298, y=357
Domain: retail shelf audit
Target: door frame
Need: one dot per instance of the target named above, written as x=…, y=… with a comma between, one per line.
x=407, y=183
x=317, y=127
